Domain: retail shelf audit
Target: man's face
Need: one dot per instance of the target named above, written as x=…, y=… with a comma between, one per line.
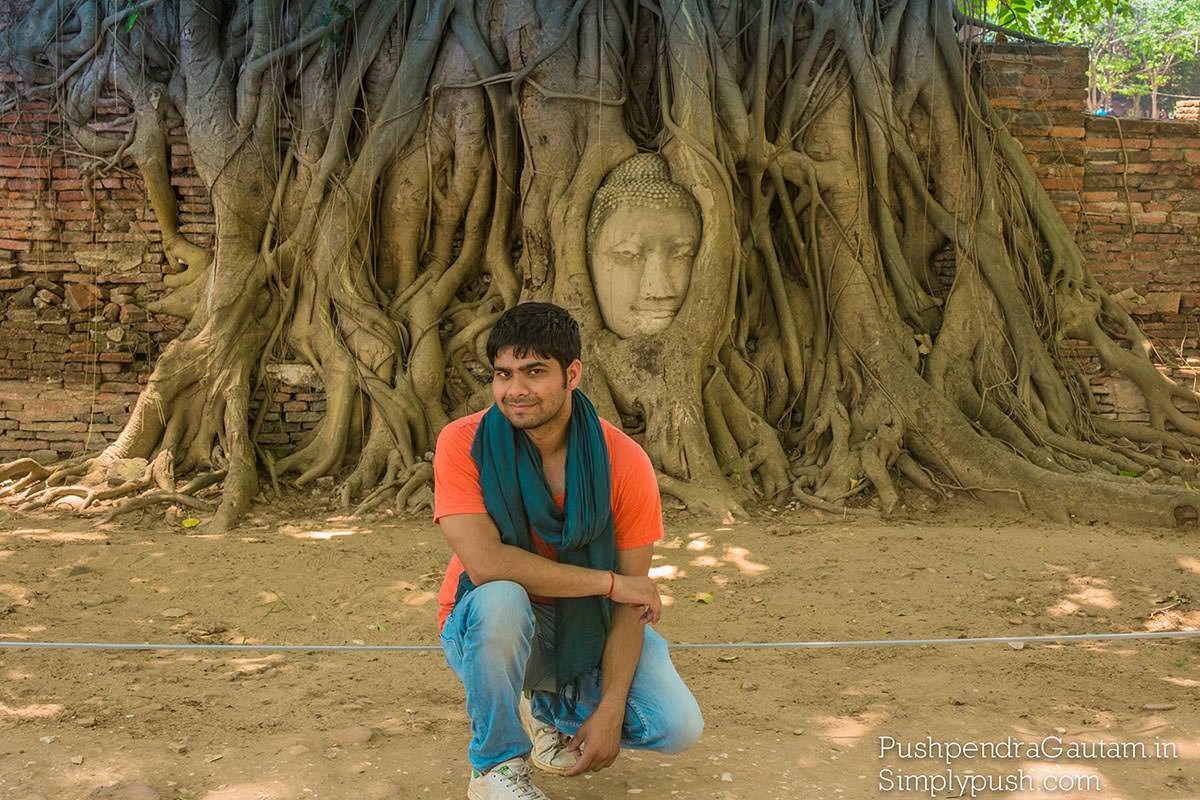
x=533, y=390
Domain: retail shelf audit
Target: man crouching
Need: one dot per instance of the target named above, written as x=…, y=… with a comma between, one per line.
x=552, y=513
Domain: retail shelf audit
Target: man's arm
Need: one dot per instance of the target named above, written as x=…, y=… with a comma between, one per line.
x=476, y=540
x=598, y=741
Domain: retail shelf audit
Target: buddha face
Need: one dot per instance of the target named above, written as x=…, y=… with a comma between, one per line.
x=641, y=264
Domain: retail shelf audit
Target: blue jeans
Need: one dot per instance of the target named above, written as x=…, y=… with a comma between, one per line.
x=499, y=643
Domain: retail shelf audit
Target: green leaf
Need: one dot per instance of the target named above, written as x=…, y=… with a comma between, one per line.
x=703, y=597
x=190, y=522
x=1128, y=473
x=1015, y=13
x=133, y=18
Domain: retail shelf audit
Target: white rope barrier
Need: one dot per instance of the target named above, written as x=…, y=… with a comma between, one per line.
x=433, y=648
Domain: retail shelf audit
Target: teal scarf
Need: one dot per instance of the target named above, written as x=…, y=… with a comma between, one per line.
x=516, y=496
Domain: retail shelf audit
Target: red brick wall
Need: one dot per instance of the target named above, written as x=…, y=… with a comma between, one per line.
x=1141, y=206
x=77, y=270
x=1041, y=92
x=74, y=354
x=1128, y=188
x=91, y=263
x=1130, y=191
x=36, y=416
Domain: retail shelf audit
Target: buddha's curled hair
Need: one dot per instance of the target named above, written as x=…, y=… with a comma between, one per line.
x=642, y=181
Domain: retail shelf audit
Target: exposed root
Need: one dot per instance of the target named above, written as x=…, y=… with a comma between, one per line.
x=154, y=498
x=23, y=468
x=124, y=490
x=202, y=481
x=415, y=494
x=52, y=495
x=408, y=480
x=823, y=505
x=374, y=459
x=21, y=488
x=910, y=469
x=21, y=479
x=696, y=498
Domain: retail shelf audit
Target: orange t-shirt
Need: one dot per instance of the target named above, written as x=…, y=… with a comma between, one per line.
x=637, y=508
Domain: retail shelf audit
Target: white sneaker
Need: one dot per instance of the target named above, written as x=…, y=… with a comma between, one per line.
x=550, y=753
x=507, y=781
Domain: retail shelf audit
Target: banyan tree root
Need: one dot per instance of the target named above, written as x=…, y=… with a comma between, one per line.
x=831, y=508
x=185, y=495
x=154, y=498
x=406, y=483
x=814, y=164
x=415, y=494
x=94, y=486
x=23, y=468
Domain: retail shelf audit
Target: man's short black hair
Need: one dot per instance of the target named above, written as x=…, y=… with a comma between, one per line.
x=543, y=329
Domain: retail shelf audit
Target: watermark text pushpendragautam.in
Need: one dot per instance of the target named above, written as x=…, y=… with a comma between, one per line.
x=1048, y=748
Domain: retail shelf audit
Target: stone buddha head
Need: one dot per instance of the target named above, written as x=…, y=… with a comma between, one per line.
x=642, y=235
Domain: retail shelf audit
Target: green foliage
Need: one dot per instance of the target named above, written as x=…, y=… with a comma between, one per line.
x=1136, y=45
x=132, y=19
x=1055, y=20
x=1137, y=52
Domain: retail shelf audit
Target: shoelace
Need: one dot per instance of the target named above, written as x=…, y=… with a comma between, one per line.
x=555, y=742
x=518, y=780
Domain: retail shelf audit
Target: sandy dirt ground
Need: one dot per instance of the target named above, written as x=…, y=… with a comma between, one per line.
x=780, y=724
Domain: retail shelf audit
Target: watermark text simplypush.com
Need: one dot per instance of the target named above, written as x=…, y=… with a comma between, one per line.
x=954, y=782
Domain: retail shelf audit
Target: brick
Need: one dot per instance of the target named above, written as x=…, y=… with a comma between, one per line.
x=273, y=438
x=1059, y=183
x=120, y=387
x=60, y=436
x=1150, y=218
x=1066, y=132
x=53, y=426
x=1172, y=142
x=11, y=444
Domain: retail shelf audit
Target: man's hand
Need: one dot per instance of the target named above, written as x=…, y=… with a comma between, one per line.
x=597, y=743
x=638, y=590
